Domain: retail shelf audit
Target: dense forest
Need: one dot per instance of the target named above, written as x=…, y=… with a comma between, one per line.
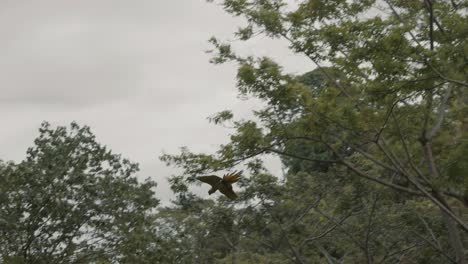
x=373, y=139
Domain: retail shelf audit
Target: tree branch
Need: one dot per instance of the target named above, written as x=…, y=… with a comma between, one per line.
x=440, y=114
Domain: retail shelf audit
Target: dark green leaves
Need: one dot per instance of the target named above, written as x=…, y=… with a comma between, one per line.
x=72, y=200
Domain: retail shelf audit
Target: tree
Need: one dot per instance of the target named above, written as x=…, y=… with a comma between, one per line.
x=391, y=109
x=73, y=201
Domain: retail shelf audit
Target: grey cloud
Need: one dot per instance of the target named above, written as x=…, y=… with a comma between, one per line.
x=77, y=53
x=135, y=71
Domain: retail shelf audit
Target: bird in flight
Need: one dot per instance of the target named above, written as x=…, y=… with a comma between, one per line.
x=222, y=184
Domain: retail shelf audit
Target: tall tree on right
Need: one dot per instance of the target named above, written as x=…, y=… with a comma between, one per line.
x=393, y=110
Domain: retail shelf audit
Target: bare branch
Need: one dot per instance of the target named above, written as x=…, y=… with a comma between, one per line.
x=434, y=246
x=440, y=114
x=368, y=230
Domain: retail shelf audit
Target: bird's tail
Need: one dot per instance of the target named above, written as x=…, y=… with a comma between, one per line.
x=232, y=177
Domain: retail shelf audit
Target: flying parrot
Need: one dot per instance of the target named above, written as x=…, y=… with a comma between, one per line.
x=222, y=184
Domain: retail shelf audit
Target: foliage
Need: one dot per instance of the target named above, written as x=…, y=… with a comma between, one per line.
x=379, y=126
x=73, y=201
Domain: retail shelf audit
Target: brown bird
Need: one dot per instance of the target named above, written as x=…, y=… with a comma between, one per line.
x=222, y=184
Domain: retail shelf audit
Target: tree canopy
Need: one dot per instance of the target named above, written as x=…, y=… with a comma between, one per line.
x=73, y=201
x=380, y=123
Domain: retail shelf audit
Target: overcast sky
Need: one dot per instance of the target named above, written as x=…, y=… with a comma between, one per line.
x=135, y=71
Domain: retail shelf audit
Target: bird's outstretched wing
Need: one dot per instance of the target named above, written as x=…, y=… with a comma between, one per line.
x=211, y=179
x=226, y=189
x=232, y=177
